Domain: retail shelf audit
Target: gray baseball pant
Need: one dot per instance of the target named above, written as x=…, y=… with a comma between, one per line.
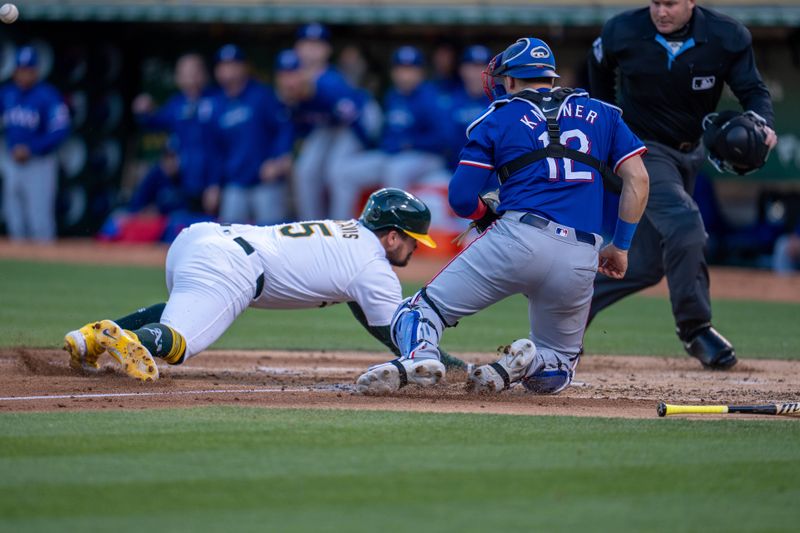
x=549, y=266
x=29, y=197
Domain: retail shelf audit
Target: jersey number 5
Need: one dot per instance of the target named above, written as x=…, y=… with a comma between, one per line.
x=568, y=165
x=290, y=230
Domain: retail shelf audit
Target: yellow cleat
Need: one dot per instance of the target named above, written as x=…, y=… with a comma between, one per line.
x=83, y=349
x=126, y=348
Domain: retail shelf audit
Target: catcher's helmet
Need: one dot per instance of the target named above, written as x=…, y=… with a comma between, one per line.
x=394, y=208
x=527, y=58
x=735, y=141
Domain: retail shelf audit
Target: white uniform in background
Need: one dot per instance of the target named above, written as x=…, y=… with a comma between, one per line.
x=214, y=272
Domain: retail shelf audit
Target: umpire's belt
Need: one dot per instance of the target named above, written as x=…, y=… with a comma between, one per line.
x=249, y=250
x=541, y=223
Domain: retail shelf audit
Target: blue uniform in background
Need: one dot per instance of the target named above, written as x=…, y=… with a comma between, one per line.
x=336, y=122
x=414, y=121
x=189, y=121
x=167, y=193
x=38, y=119
x=334, y=103
x=463, y=111
x=250, y=129
x=561, y=190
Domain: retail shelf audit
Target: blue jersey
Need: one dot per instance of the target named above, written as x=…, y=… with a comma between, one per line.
x=250, y=129
x=463, y=111
x=189, y=121
x=166, y=192
x=561, y=190
x=334, y=103
x=37, y=118
x=414, y=121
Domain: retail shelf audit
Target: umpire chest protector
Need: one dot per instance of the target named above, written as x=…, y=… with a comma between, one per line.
x=549, y=105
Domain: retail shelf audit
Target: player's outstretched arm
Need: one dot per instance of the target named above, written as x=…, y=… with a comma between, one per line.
x=633, y=199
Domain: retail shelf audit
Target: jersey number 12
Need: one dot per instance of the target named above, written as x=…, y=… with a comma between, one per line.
x=568, y=165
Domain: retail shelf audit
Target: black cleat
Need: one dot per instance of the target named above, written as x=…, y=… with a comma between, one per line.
x=710, y=348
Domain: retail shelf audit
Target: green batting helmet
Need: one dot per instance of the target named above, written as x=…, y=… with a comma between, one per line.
x=395, y=208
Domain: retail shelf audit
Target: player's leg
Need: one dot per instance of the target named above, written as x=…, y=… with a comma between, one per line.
x=13, y=208
x=558, y=311
x=84, y=351
x=39, y=191
x=307, y=179
x=270, y=202
x=234, y=205
x=211, y=284
x=483, y=274
x=558, y=285
x=349, y=177
x=645, y=269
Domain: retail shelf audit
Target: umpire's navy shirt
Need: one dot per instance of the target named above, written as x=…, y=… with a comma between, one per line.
x=668, y=87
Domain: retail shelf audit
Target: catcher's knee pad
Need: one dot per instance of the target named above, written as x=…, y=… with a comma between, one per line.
x=416, y=327
x=549, y=380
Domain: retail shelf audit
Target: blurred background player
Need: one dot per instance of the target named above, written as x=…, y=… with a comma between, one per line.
x=162, y=204
x=414, y=138
x=35, y=122
x=253, y=135
x=333, y=119
x=786, y=256
x=673, y=59
x=469, y=100
x=186, y=116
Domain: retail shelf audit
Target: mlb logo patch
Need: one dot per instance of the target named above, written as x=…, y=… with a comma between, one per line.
x=702, y=83
x=562, y=232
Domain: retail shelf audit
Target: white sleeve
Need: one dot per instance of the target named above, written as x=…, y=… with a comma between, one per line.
x=377, y=291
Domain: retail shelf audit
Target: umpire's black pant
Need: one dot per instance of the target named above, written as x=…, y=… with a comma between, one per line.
x=670, y=240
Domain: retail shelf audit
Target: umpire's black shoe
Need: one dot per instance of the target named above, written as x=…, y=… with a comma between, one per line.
x=706, y=345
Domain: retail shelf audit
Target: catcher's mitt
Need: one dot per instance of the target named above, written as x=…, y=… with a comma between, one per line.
x=491, y=200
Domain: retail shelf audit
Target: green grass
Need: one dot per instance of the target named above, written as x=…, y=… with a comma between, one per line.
x=60, y=297
x=238, y=469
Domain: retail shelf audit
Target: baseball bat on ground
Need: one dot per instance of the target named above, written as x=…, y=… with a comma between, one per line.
x=783, y=409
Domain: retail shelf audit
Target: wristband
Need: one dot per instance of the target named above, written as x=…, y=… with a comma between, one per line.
x=623, y=234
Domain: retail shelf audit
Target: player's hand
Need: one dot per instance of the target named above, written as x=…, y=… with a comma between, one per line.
x=272, y=169
x=772, y=138
x=211, y=199
x=21, y=153
x=143, y=104
x=268, y=171
x=613, y=262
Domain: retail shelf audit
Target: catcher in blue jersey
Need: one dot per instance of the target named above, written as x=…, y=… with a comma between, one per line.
x=547, y=152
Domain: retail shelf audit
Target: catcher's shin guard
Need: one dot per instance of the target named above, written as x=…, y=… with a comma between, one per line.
x=416, y=329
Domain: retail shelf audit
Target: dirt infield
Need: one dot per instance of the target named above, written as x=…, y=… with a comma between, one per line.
x=726, y=283
x=606, y=386
x=609, y=386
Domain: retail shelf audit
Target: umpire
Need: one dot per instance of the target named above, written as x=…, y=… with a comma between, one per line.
x=672, y=60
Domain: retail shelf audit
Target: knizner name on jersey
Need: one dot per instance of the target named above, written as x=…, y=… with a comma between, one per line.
x=534, y=116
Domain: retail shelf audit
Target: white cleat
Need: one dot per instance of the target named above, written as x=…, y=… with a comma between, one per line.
x=392, y=376
x=509, y=369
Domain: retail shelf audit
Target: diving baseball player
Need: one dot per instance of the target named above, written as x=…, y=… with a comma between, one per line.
x=35, y=121
x=214, y=272
x=548, y=148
